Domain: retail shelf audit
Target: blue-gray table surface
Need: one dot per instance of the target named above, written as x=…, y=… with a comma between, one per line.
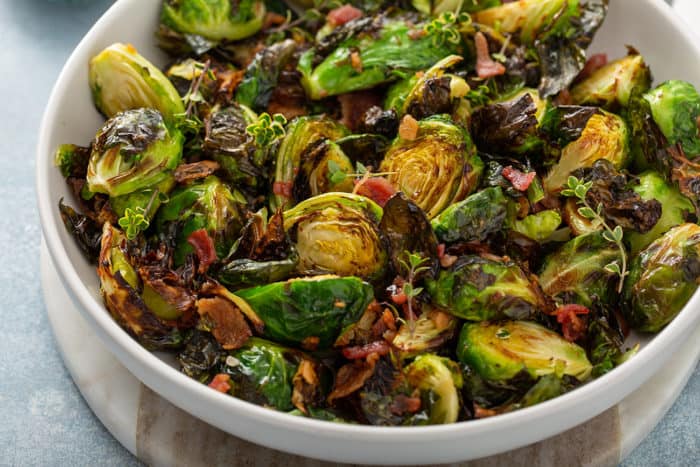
x=45, y=421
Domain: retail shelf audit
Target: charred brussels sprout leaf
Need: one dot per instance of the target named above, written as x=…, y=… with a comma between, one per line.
x=612, y=85
x=337, y=233
x=262, y=372
x=119, y=284
x=121, y=79
x=576, y=273
x=366, y=60
x=309, y=311
x=605, y=136
x=262, y=74
x=304, y=135
x=208, y=204
x=215, y=20
x=675, y=107
x=438, y=379
x=406, y=228
x=675, y=209
x=437, y=168
x=72, y=160
x=500, y=351
x=86, y=231
x=201, y=356
x=134, y=150
x=474, y=218
x=480, y=289
x=662, y=278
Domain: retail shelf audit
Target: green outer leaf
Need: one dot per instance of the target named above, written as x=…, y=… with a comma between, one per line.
x=214, y=19
x=309, y=307
x=474, y=218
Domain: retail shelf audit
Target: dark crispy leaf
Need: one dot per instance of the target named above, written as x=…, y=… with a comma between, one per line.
x=501, y=128
x=262, y=75
x=87, y=233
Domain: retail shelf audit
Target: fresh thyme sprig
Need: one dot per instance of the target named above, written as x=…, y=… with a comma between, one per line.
x=413, y=265
x=267, y=129
x=445, y=28
x=579, y=189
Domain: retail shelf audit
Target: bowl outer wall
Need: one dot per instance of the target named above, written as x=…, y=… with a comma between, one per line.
x=71, y=117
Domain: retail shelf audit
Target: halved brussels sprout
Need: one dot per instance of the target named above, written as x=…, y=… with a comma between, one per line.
x=134, y=150
x=437, y=168
x=337, y=233
x=478, y=289
x=576, y=272
x=612, y=85
x=605, y=136
x=438, y=379
x=120, y=285
x=662, y=278
x=675, y=107
x=675, y=209
x=121, y=79
x=309, y=311
x=262, y=372
x=304, y=134
x=214, y=19
x=539, y=226
x=474, y=218
x=363, y=61
x=206, y=204
x=528, y=18
x=499, y=351
x=429, y=331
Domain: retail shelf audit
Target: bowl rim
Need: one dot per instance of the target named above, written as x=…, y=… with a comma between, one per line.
x=129, y=351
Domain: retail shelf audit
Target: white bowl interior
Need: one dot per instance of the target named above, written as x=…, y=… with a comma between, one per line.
x=70, y=117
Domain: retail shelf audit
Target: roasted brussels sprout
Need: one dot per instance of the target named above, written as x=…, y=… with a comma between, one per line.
x=499, y=351
x=436, y=168
x=429, y=331
x=262, y=372
x=309, y=311
x=337, y=233
x=675, y=107
x=474, y=218
x=72, y=160
x=605, y=136
x=438, y=379
x=207, y=204
x=365, y=60
x=612, y=85
x=121, y=79
x=214, y=19
x=478, y=289
x=675, y=209
x=120, y=284
x=539, y=226
x=134, y=150
x=662, y=278
x=576, y=273
x=304, y=135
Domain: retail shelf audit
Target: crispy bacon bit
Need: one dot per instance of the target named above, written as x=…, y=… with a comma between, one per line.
x=204, y=249
x=595, y=62
x=408, y=128
x=273, y=19
x=306, y=385
x=520, y=181
x=446, y=260
x=378, y=189
x=229, y=327
x=310, y=343
x=356, y=61
x=389, y=319
x=227, y=81
x=196, y=170
x=341, y=15
x=572, y=326
x=220, y=383
x=283, y=189
x=486, y=67
x=481, y=412
x=351, y=377
x=415, y=34
x=404, y=404
x=398, y=296
x=362, y=351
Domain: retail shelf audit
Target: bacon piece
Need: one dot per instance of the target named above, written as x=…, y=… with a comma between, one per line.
x=352, y=377
x=195, y=170
x=283, y=189
x=220, y=383
x=229, y=327
x=204, y=249
x=520, y=181
x=486, y=67
x=378, y=189
x=595, y=62
x=572, y=326
x=404, y=404
x=343, y=14
x=362, y=351
x=273, y=19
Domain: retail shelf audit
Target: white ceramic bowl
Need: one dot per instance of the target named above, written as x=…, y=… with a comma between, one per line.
x=70, y=117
